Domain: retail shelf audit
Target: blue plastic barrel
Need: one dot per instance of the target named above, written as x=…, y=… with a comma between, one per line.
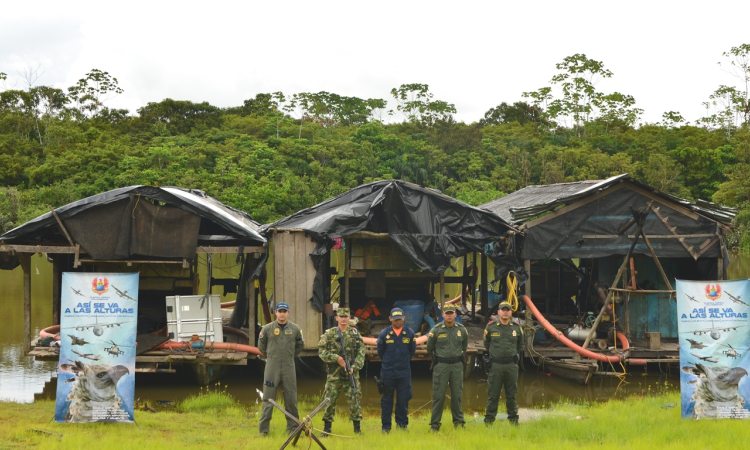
x=493, y=298
x=413, y=312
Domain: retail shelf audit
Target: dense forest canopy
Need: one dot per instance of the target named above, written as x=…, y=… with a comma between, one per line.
x=278, y=153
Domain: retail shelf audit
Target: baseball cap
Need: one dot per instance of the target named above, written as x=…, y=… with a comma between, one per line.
x=397, y=313
x=282, y=305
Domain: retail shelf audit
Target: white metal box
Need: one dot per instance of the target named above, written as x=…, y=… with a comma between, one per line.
x=186, y=317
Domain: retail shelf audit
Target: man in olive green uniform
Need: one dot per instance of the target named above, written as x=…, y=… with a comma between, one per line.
x=330, y=351
x=447, y=343
x=280, y=341
x=503, y=340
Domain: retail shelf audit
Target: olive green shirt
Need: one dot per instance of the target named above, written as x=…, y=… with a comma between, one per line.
x=275, y=342
x=503, y=341
x=448, y=342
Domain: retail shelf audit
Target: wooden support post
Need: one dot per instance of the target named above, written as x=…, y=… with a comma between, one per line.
x=463, y=283
x=25, y=259
x=720, y=268
x=656, y=260
x=442, y=290
x=484, y=294
x=252, y=309
x=56, y=294
x=347, y=263
x=614, y=283
x=473, y=292
x=527, y=288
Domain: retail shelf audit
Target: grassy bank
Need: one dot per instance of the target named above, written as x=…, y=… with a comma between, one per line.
x=215, y=421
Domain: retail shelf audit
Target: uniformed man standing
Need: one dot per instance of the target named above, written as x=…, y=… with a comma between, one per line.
x=447, y=343
x=503, y=340
x=280, y=341
x=330, y=351
x=396, y=346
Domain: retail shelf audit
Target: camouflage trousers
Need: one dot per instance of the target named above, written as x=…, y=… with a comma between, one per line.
x=333, y=390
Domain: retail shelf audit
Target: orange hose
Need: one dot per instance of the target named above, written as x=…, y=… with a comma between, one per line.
x=228, y=304
x=570, y=344
x=212, y=345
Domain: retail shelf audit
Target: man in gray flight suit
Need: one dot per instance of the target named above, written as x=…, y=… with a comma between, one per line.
x=280, y=341
x=447, y=343
x=503, y=339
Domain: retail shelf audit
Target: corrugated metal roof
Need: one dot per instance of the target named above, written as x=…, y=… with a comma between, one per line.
x=532, y=201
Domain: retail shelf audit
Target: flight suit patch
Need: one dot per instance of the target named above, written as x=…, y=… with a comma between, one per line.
x=287, y=331
x=276, y=331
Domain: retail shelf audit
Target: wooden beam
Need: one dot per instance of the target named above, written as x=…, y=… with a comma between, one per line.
x=56, y=294
x=484, y=294
x=25, y=260
x=230, y=250
x=37, y=248
x=663, y=201
x=62, y=227
x=252, y=308
x=642, y=291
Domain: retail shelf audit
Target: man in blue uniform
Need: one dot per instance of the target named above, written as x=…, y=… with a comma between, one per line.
x=396, y=346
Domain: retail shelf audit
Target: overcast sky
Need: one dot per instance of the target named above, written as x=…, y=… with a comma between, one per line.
x=472, y=54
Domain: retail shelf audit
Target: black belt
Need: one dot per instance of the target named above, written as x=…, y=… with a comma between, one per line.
x=502, y=360
x=449, y=360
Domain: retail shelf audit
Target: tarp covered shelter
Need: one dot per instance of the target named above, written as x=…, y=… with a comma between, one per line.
x=583, y=218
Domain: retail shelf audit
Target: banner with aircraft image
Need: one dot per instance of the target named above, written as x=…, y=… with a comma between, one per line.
x=96, y=371
x=714, y=326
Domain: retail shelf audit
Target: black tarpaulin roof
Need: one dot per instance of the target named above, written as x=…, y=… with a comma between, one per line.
x=234, y=221
x=428, y=226
x=531, y=201
x=677, y=227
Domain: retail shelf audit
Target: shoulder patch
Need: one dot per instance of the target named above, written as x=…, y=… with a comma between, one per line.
x=431, y=335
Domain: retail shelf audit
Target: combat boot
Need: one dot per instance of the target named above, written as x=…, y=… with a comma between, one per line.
x=326, y=429
x=357, y=430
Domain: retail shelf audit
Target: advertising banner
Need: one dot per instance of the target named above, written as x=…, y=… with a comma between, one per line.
x=714, y=348
x=96, y=372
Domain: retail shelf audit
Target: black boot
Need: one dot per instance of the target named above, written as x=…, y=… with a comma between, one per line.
x=357, y=430
x=326, y=429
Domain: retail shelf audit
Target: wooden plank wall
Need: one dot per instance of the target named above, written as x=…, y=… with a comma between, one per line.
x=293, y=282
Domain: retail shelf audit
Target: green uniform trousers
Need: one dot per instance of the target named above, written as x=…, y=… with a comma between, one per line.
x=502, y=376
x=279, y=372
x=442, y=375
x=333, y=390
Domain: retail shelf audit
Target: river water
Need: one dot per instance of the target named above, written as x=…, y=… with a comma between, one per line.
x=23, y=380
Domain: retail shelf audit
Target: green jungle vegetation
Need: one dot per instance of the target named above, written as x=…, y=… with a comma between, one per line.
x=278, y=153
x=215, y=420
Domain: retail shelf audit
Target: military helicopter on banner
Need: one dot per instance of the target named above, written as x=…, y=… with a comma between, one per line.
x=98, y=328
x=714, y=331
x=115, y=349
x=732, y=352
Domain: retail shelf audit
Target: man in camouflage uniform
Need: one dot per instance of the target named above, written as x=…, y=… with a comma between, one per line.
x=330, y=350
x=280, y=341
x=447, y=343
x=503, y=340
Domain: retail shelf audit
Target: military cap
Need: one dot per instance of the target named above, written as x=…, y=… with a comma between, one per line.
x=343, y=312
x=448, y=307
x=282, y=305
x=397, y=313
x=504, y=305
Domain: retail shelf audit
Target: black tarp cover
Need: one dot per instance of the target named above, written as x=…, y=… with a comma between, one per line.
x=571, y=235
x=193, y=201
x=429, y=227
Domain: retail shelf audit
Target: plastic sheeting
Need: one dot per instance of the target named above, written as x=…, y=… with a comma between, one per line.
x=429, y=227
x=193, y=201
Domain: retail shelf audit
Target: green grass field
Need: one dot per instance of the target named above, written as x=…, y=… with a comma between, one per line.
x=214, y=420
